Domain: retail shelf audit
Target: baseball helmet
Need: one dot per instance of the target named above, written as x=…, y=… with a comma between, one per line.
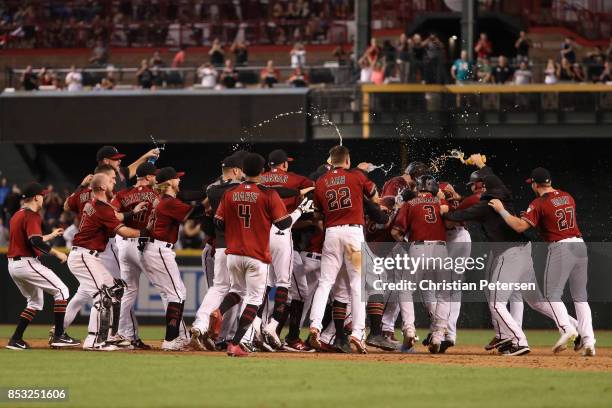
x=428, y=183
x=416, y=169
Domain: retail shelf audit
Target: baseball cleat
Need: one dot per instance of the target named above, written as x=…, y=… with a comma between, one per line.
x=409, y=338
x=214, y=324
x=248, y=347
x=342, y=346
x=118, y=340
x=178, y=344
x=434, y=346
x=51, y=334
x=260, y=343
x=64, y=341
x=297, y=346
x=516, y=351
x=589, y=351
x=221, y=345
x=565, y=338
x=234, y=350
x=492, y=344
x=359, y=345
x=327, y=348
x=427, y=340
x=390, y=336
x=578, y=344
x=18, y=344
x=381, y=342
x=139, y=345
x=196, y=343
x=445, y=345
x=101, y=347
x=271, y=337
x=315, y=338
x=502, y=344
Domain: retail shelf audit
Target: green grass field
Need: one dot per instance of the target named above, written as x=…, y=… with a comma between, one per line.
x=172, y=380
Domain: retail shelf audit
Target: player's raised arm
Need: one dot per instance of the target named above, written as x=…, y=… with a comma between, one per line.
x=132, y=167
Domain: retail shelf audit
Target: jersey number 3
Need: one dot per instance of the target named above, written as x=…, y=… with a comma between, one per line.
x=244, y=212
x=565, y=218
x=340, y=199
x=430, y=214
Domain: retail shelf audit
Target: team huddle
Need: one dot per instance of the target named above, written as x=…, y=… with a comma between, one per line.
x=285, y=250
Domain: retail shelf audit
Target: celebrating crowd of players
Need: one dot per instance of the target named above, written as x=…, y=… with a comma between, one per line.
x=303, y=238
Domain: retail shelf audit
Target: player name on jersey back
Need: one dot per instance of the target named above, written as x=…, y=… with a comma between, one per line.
x=554, y=216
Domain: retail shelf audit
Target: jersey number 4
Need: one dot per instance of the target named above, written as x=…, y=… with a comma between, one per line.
x=565, y=218
x=340, y=199
x=244, y=212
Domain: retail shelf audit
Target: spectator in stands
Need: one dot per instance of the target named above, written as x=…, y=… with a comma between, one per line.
x=217, y=57
x=365, y=74
x=404, y=57
x=99, y=55
x=388, y=52
x=229, y=75
x=483, y=47
x=595, y=62
x=5, y=189
x=241, y=53
x=109, y=82
x=298, y=78
x=298, y=55
x=565, y=71
x=372, y=52
x=71, y=231
x=522, y=45
x=609, y=51
x=4, y=234
x=579, y=73
x=157, y=61
x=179, y=57
x=567, y=50
x=462, y=70
x=606, y=75
x=29, y=80
x=158, y=77
x=53, y=205
x=418, y=59
x=74, y=80
x=378, y=73
x=391, y=73
x=523, y=75
x=484, y=71
x=12, y=202
x=434, y=51
x=208, y=75
x=46, y=77
x=503, y=72
x=340, y=55
x=550, y=72
x=144, y=75
x=269, y=75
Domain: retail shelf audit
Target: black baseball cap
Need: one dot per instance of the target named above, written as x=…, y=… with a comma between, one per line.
x=168, y=173
x=232, y=161
x=277, y=157
x=32, y=190
x=146, y=169
x=109, y=152
x=253, y=164
x=539, y=175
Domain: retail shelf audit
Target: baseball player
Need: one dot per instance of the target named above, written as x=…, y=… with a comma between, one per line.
x=159, y=257
x=290, y=282
x=99, y=221
x=553, y=214
x=130, y=250
x=109, y=155
x=394, y=186
x=246, y=214
x=421, y=220
x=200, y=336
x=32, y=278
x=339, y=196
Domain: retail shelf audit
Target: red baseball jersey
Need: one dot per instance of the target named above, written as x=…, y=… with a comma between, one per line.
x=467, y=202
x=126, y=200
x=393, y=186
x=339, y=196
x=78, y=199
x=248, y=212
x=280, y=178
x=420, y=218
x=554, y=215
x=24, y=224
x=98, y=223
x=168, y=215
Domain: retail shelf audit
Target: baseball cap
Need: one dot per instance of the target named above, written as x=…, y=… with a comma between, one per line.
x=253, y=164
x=109, y=152
x=32, y=190
x=231, y=162
x=539, y=175
x=168, y=173
x=278, y=156
x=146, y=169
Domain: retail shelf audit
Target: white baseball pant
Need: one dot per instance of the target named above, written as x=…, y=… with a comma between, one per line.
x=248, y=278
x=459, y=245
x=311, y=262
x=342, y=246
x=131, y=264
x=32, y=278
x=215, y=294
